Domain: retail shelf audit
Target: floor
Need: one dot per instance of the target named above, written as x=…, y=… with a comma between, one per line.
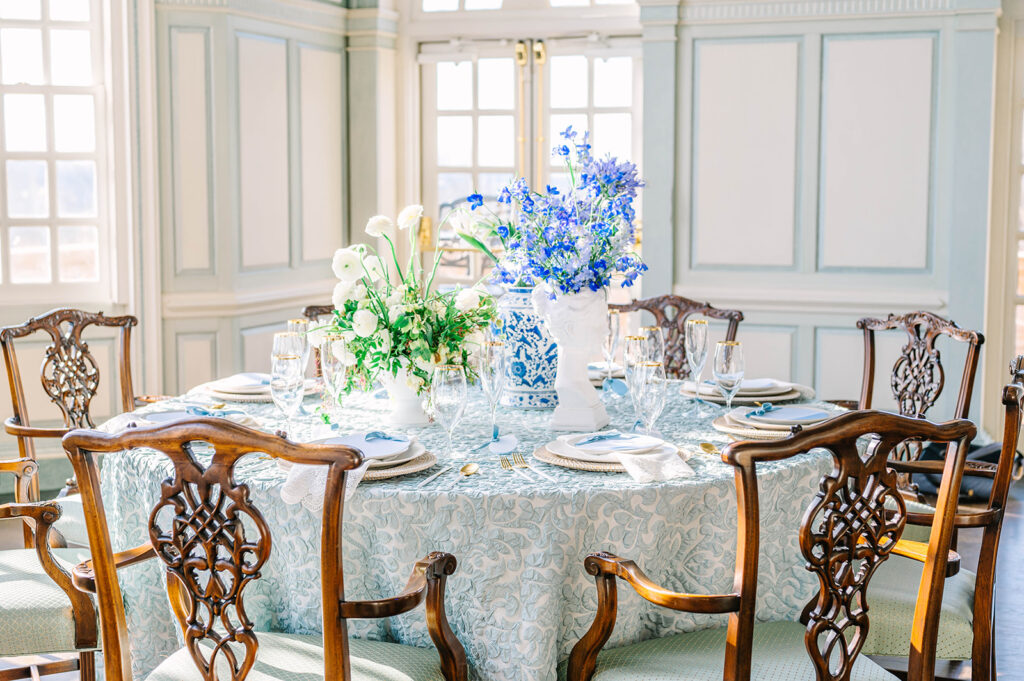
x=1009, y=597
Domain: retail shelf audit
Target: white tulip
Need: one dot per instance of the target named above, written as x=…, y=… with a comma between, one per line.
x=410, y=216
x=364, y=323
x=347, y=265
x=379, y=225
x=467, y=299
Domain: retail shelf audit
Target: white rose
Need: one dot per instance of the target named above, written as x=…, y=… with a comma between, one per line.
x=467, y=299
x=410, y=216
x=347, y=265
x=378, y=225
x=364, y=323
x=374, y=266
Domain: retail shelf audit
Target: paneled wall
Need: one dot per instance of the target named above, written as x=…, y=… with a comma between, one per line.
x=805, y=166
x=253, y=177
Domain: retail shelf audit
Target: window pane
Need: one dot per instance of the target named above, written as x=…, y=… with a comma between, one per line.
x=452, y=190
x=491, y=184
x=496, y=83
x=69, y=10
x=30, y=255
x=440, y=5
x=21, y=51
x=78, y=254
x=76, y=189
x=560, y=180
x=70, y=57
x=497, y=141
x=613, y=134
x=483, y=4
x=27, y=192
x=454, y=85
x=25, y=122
x=568, y=82
x=613, y=81
x=455, y=140
x=74, y=123
x=19, y=9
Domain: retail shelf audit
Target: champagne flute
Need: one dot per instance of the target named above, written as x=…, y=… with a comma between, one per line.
x=633, y=355
x=652, y=393
x=333, y=351
x=728, y=369
x=696, y=342
x=301, y=328
x=611, y=342
x=448, y=397
x=287, y=374
x=492, y=377
x=655, y=336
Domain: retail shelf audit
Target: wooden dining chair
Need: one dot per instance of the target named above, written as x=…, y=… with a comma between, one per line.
x=41, y=612
x=213, y=542
x=670, y=313
x=70, y=379
x=852, y=525
x=967, y=622
x=315, y=314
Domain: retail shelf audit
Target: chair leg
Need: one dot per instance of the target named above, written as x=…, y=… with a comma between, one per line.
x=87, y=666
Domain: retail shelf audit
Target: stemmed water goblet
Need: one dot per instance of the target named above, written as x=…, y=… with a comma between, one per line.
x=728, y=369
x=333, y=352
x=608, y=350
x=633, y=355
x=652, y=391
x=655, y=336
x=695, y=341
x=448, y=399
x=287, y=375
x=491, y=369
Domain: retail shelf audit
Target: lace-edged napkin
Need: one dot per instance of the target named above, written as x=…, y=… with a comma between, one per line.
x=656, y=467
x=661, y=460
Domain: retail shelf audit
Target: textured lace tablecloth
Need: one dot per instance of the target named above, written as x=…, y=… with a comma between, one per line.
x=520, y=598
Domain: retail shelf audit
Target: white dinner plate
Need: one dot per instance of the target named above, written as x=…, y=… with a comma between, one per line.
x=415, y=450
x=788, y=416
x=628, y=443
x=750, y=387
x=166, y=416
x=248, y=383
x=561, y=448
x=371, y=449
x=737, y=417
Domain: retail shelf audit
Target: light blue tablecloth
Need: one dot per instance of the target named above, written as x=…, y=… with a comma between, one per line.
x=520, y=598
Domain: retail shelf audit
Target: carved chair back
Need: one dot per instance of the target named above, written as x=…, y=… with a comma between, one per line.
x=917, y=376
x=670, y=313
x=212, y=540
x=850, y=527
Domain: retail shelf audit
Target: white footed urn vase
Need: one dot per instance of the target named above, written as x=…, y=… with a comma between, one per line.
x=578, y=322
x=406, y=406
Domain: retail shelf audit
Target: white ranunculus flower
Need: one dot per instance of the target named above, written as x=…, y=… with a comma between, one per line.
x=414, y=381
x=347, y=264
x=364, y=323
x=342, y=294
x=394, y=299
x=379, y=225
x=467, y=299
x=358, y=292
x=349, y=336
x=394, y=312
x=410, y=216
x=426, y=364
x=375, y=266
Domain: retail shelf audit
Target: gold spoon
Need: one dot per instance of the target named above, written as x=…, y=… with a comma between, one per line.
x=711, y=449
x=469, y=469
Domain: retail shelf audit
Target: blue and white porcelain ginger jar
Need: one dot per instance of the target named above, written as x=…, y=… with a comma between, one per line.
x=532, y=360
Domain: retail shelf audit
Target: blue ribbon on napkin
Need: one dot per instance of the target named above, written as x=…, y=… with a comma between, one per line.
x=219, y=413
x=762, y=410
x=610, y=435
x=381, y=435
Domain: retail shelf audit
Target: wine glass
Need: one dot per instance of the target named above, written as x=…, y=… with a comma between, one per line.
x=301, y=328
x=696, y=342
x=333, y=351
x=448, y=397
x=287, y=374
x=611, y=342
x=491, y=370
x=728, y=369
x=633, y=355
x=655, y=336
x=652, y=393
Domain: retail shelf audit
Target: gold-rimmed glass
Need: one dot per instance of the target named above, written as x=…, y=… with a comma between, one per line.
x=287, y=374
x=652, y=391
x=300, y=327
x=655, y=336
x=334, y=368
x=728, y=369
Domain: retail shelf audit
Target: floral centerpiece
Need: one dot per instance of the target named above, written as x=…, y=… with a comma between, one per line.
x=570, y=246
x=396, y=326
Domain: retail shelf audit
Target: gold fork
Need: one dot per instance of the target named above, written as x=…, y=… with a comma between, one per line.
x=507, y=465
x=520, y=462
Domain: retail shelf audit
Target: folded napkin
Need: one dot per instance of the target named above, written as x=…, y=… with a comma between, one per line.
x=661, y=465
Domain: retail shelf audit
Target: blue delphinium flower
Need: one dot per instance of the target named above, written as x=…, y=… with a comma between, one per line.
x=475, y=201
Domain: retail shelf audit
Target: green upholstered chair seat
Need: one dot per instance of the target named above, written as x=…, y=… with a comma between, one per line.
x=35, y=613
x=71, y=523
x=294, y=657
x=917, y=532
x=779, y=654
x=892, y=596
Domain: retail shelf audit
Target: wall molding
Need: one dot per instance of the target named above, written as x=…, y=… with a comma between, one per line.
x=832, y=301
x=746, y=11
x=240, y=302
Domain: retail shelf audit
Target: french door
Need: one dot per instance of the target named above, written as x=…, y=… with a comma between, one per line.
x=493, y=110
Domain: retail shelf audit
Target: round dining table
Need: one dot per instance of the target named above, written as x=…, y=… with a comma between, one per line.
x=520, y=598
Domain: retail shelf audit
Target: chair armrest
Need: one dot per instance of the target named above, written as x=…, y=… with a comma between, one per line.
x=978, y=469
x=918, y=550
x=628, y=571
x=84, y=578
x=17, y=430
x=982, y=518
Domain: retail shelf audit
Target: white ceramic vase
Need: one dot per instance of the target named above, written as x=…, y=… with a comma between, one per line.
x=577, y=322
x=406, y=407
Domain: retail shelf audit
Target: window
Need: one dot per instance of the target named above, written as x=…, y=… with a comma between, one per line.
x=53, y=163
x=495, y=111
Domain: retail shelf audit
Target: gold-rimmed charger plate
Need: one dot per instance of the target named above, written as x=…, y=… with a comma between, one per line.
x=723, y=425
x=751, y=400
x=542, y=453
x=420, y=463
